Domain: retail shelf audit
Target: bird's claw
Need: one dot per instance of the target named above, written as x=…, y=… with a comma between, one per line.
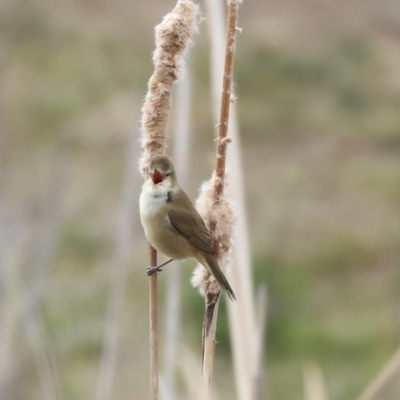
x=153, y=270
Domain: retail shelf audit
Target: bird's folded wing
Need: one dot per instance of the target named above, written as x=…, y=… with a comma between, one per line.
x=192, y=227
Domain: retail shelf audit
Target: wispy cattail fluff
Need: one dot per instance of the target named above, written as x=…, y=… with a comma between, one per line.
x=172, y=38
x=213, y=204
x=220, y=219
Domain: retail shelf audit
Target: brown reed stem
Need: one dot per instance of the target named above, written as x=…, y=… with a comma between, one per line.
x=212, y=300
x=172, y=39
x=225, y=98
x=209, y=331
x=153, y=318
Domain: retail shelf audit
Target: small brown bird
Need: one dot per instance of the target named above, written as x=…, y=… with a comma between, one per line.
x=171, y=223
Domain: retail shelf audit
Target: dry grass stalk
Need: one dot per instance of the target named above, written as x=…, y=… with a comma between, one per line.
x=209, y=332
x=242, y=316
x=314, y=383
x=126, y=214
x=217, y=211
x=153, y=327
x=383, y=378
x=190, y=370
x=44, y=358
x=172, y=39
x=225, y=99
x=35, y=291
x=181, y=144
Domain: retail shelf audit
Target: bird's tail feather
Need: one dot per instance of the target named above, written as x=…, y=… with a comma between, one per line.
x=214, y=268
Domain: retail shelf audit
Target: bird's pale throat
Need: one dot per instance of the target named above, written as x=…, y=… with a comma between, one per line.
x=157, y=177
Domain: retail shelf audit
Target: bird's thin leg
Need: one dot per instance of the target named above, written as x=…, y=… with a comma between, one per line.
x=152, y=270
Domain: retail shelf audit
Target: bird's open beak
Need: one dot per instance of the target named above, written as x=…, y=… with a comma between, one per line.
x=157, y=177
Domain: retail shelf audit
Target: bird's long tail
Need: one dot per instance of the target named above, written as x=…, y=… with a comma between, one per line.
x=213, y=267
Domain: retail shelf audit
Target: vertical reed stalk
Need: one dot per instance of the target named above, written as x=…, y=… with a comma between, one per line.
x=124, y=236
x=182, y=134
x=153, y=318
x=314, y=383
x=225, y=99
x=172, y=39
x=209, y=342
x=218, y=183
x=190, y=371
x=242, y=316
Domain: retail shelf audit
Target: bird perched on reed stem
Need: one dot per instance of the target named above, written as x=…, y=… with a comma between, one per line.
x=171, y=223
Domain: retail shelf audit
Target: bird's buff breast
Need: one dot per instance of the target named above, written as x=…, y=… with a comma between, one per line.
x=157, y=227
x=152, y=204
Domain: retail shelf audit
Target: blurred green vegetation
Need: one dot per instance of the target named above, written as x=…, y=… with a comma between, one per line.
x=321, y=144
x=342, y=89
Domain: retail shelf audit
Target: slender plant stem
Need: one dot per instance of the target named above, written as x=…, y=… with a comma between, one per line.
x=314, y=384
x=173, y=303
x=382, y=379
x=153, y=318
x=242, y=315
x=209, y=331
x=124, y=236
x=212, y=300
x=225, y=99
x=172, y=38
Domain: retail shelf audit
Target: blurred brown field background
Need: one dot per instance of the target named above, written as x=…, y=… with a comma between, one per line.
x=318, y=86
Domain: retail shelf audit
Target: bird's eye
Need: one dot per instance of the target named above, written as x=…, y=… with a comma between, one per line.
x=168, y=174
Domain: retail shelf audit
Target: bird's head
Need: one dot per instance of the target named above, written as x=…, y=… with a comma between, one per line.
x=162, y=171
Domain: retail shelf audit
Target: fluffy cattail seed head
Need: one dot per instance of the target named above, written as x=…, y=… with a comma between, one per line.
x=173, y=36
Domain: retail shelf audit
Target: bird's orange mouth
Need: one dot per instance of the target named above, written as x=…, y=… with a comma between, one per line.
x=157, y=177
